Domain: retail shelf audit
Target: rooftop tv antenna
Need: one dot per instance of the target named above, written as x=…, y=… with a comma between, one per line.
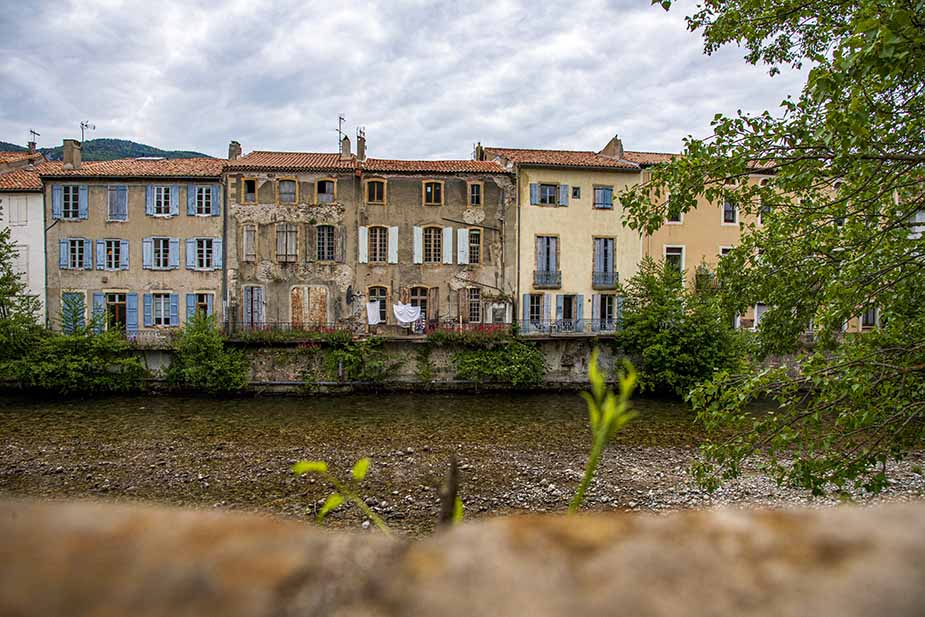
x=340, y=130
x=33, y=134
x=86, y=126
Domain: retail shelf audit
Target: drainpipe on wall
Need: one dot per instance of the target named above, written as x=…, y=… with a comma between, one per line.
x=517, y=295
x=227, y=304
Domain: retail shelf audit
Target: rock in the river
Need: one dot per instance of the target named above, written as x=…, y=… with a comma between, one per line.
x=114, y=560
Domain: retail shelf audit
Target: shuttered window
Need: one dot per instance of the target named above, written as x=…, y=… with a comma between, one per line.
x=162, y=200
x=325, y=242
x=287, y=191
x=161, y=308
x=250, y=243
x=76, y=255
x=475, y=246
x=378, y=244
x=286, y=237
x=549, y=194
x=70, y=202
x=203, y=200
x=204, y=254
x=433, y=245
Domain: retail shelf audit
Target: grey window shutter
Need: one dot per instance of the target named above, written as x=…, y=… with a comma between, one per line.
x=563, y=195
x=534, y=194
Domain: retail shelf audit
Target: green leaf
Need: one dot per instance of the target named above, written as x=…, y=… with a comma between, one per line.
x=458, y=510
x=360, y=469
x=309, y=467
x=333, y=500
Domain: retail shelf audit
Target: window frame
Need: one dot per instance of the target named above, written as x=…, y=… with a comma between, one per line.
x=249, y=258
x=205, y=257
x=111, y=191
x=472, y=303
x=202, y=198
x=165, y=241
x=385, y=188
x=290, y=241
x=383, y=306
x=555, y=194
x=594, y=204
x=373, y=247
x=669, y=221
x=318, y=193
x=279, y=193
x=117, y=253
x=576, y=192
x=475, y=232
x=481, y=187
x=162, y=199
x=535, y=301
x=76, y=247
x=418, y=299
x=333, y=242
x=439, y=243
x=683, y=250
x=863, y=319
x=244, y=181
x=72, y=191
x=165, y=307
x=435, y=204
x=735, y=212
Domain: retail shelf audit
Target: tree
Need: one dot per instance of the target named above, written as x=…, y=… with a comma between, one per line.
x=203, y=363
x=678, y=337
x=18, y=310
x=843, y=210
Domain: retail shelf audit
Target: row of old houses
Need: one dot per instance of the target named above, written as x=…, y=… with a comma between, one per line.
x=301, y=240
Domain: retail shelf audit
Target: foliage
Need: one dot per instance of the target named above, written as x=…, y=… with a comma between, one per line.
x=18, y=311
x=513, y=362
x=202, y=360
x=607, y=414
x=360, y=360
x=424, y=367
x=677, y=336
x=470, y=338
x=343, y=491
x=844, y=165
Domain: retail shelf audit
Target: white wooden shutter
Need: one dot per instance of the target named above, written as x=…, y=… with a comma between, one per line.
x=364, y=245
x=462, y=246
x=447, y=245
x=393, y=245
x=418, y=241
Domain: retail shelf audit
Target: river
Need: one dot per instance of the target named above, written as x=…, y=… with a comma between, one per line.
x=518, y=453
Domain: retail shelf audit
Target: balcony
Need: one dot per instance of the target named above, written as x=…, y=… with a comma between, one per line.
x=605, y=280
x=547, y=279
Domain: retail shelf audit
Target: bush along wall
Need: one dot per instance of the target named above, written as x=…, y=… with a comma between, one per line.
x=494, y=358
x=203, y=362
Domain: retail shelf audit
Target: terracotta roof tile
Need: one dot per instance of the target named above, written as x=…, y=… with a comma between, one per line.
x=442, y=166
x=648, y=158
x=142, y=167
x=15, y=157
x=561, y=158
x=26, y=179
x=291, y=161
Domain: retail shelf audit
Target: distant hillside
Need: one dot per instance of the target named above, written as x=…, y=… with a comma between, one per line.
x=109, y=149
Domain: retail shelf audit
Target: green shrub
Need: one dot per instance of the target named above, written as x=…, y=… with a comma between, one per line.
x=512, y=362
x=362, y=360
x=203, y=362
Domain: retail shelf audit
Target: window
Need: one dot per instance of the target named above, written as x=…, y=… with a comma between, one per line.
x=869, y=317
x=70, y=202
x=433, y=245
x=379, y=244
x=604, y=274
x=724, y=250
x=760, y=310
x=76, y=255
x=286, y=237
x=204, y=200
x=162, y=200
x=535, y=309
x=250, y=243
x=325, y=242
x=475, y=246
x=19, y=211
x=286, y=191
x=606, y=310
x=203, y=302
x=250, y=191
x=161, y=253
x=160, y=306
x=674, y=257
x=475, y=304
x=204, y=253
x=674, y=214
x=117, y=203
x=547, y=259
x=113, y=254
x=603, y=197
x=433, y=193
x=576, y=192
x=419, y=299
x=325, y=190
x=475, y=193
x=730, y=214
x=549, y=194
x=380, y=295
x=115, y=311
x=375, y=191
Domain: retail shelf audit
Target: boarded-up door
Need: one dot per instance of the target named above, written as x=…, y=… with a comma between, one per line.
x=309, y=306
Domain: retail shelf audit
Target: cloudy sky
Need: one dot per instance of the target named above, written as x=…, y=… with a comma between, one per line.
x=426, y=79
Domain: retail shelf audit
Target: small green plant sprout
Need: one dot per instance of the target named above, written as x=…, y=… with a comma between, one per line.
x=343, y=491
x=608, y=413
x=458, y=511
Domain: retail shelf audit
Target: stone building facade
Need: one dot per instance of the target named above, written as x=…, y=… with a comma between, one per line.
x=134, y=244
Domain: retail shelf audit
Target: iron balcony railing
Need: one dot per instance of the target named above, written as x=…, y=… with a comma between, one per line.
x=568, y=326
x=605, y=280
x=549, y=279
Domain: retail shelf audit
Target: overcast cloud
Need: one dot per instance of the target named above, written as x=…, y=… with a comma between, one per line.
x=426, y=79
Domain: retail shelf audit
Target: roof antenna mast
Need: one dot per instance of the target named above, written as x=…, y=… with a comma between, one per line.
x=340, y=130
x=33, y=134
x=86, y=126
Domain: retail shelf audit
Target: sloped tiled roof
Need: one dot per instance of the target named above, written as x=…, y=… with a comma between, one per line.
x=648, y=158
x=143, y=168
x=561, y=158
x=290, y=161
x=15, y=157
x=26, y=179
x=442, y=166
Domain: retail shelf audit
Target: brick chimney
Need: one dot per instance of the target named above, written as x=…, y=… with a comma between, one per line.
x=361, y=145
x=31, y=146
x=234, y=151
x=614, y=148
x=345, y=148
x=71, y=154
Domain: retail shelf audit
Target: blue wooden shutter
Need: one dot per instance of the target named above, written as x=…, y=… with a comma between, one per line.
x=191, y=254
x=63, y=254
x=147, y=253
x=123, y=255
x=534, y=194
x=190, y=306
x=595, y=312
x=216, y=254
x=173, y=258
x=83, y=206
x=599, y=254
x=525, y=312
x=131, y=313
x=99, y=311
x=216, y=199
x=148, y=310
x=122, y=202
x=88, y=254
x=560, y=306
x=546, y=304
x=553, y=254
x=57, y=201
x=191, y=200
x=258, y=303
x=608, y=198
x=542, y=264
x=248, y=301
x=174, y=310
x=100, y=254
x=580, y=313
x=174, y=199
x=209, y=305
x=563, y=195
x=149, y=200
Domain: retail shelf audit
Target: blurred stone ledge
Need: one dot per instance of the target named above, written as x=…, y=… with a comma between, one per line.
x=92, y=559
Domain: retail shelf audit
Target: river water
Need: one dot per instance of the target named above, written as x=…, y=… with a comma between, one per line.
x=518, y=453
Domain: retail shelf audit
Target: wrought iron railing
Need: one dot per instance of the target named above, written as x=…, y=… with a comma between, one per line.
x=547, y=278
x=605, y=280
x=567, y=326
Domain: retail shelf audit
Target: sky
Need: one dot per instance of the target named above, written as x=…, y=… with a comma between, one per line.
x=426, y=79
